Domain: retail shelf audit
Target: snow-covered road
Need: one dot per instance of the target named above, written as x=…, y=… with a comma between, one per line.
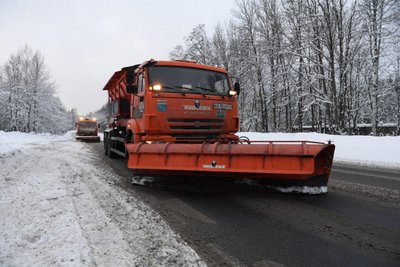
x=59, y=206
x=60, y=203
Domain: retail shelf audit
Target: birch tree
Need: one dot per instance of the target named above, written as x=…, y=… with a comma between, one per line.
x=377, y=16
x=254, y=60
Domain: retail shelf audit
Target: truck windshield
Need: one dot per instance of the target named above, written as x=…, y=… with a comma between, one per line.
x=189, y=80
x=87, y=124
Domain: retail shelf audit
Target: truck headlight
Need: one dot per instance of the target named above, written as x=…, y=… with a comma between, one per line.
x=156, y=87
x=232, y=93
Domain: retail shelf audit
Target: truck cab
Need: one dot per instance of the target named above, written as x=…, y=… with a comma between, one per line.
x=181, y=100
x=170, y=101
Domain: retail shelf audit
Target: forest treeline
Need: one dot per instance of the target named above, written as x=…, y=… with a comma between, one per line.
x=27, y=96
x=326, y=64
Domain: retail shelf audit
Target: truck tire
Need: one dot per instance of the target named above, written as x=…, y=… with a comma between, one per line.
x=126, y=154
x=111, y=154
x=130, y=138
x=105, y=144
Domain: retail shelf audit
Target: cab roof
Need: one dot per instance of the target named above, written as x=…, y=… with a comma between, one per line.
x=81, y=119
x=119, y=75
x=184, y=63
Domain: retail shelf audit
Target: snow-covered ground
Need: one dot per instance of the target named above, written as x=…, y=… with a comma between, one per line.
x=13, y=142
x=59, y=204
x=382, y=151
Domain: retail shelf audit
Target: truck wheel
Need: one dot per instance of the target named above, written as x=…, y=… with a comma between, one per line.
x=110, y=153
x=105, y=143
x=126, y=154
x=129, y=139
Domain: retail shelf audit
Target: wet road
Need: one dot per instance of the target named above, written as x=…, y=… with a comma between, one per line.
x=356, y=224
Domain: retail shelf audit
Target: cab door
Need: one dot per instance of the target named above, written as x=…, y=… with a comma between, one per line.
x=138, y=101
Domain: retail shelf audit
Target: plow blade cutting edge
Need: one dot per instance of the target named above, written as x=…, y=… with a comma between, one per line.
x=283, y=163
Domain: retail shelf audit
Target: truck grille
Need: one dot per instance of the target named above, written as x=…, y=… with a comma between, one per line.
x=86, y=132
x=195, y=124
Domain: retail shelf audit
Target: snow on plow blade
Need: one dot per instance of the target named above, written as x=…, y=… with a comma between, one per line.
x=284, y=163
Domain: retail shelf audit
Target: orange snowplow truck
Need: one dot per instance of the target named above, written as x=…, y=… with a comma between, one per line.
x=180, y=118
x=87, y=130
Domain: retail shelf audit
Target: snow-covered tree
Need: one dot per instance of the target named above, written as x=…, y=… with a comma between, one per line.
x=178, y=53
x=198, y=45
x=324, y=65
x=28, y=103
x=379, y=16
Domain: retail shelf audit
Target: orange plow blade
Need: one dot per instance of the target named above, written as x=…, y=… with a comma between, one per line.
x=279, y=162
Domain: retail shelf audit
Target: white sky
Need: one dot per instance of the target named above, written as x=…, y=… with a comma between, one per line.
x=85, y=42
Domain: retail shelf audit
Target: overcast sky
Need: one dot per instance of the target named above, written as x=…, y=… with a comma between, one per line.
x=85, y=42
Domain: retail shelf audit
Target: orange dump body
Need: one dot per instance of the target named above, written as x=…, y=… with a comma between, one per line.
x=298, y=163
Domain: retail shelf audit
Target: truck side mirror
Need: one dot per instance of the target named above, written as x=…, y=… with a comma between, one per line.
x=130, y=76
x=76, y=124
x=131, y=89
x=236, y=86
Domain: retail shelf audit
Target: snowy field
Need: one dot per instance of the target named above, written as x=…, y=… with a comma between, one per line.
x=382, y=151
x=13, y=142
x=59, y=204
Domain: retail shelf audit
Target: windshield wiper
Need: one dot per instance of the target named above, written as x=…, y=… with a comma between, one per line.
x=174, y=88
x=189, y=89
x=210, y=90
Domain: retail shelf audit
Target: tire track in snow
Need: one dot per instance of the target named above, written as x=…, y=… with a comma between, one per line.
x=137, y=227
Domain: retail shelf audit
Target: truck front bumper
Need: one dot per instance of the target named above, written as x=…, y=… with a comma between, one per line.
x=88, y=138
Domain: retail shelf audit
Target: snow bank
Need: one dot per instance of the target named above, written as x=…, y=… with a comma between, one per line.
x=379, y=151
x=12, y=142
x=382, y=151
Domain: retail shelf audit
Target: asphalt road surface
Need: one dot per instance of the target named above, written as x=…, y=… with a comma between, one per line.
x=357, y=223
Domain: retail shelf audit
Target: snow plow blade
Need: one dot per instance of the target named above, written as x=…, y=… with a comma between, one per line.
x=282, y=163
